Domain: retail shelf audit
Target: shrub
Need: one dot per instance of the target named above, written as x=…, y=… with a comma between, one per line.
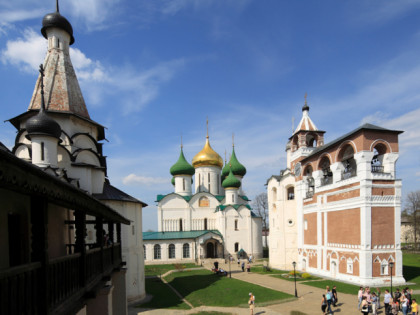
x=306, y=275
x=179, y=267
x=292, y=273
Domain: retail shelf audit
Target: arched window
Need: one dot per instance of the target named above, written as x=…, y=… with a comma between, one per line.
x=180, y=224
x=310, y=141
x=171, y=251
x=349, y=163
x=236, y=247
x=274, y=194
x=205, y=223
x=156, y=252
x=378, y=156
x=144, y=252
x=349, y=265
x=384, y=268
x=186, y=250
x=291, y=193
x=327, y=175
x=310, y=182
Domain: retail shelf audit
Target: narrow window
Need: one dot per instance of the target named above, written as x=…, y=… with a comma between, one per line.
x=156, y=250
x=209, y=177
x=171, y=253
x=236, y=247
x=180, y=224
x=183, y=184
x=186, y=251
x=233, y=199
x=205, y=223
x=42, y=151
x=218, y=183
x=144, y=252
x=236, y=225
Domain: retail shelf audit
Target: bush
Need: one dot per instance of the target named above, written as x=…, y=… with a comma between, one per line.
x=306, y=275
x=292, y=273
x=179, y=267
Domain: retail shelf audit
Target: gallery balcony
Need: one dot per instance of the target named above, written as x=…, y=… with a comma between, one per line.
x=68, y=279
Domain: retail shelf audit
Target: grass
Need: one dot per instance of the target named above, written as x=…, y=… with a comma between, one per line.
x=281, y=274
x=202, y=287
x=163, y=296
x=341, y=286
x=157, y=270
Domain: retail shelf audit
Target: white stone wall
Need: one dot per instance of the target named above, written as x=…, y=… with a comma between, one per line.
x=208, y=177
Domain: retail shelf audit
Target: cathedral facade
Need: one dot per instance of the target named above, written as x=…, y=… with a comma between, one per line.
x=213, y=220
x=335, y=209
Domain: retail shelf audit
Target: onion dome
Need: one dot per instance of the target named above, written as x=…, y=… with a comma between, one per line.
x=207, y=157
x=231, y=181
x=182, y=167
x=237, y=168
x=41, y=123
x=55, y=19
x=225, y=171
x=173, y=181
x=305, y=107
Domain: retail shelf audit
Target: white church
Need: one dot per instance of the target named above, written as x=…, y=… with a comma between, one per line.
x=57, y=134
x=214, y=221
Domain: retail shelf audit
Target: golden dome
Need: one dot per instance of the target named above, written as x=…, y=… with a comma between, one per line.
x=207, y=157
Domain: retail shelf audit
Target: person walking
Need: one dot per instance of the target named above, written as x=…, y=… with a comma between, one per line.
x=374, y=303
x=243, y=266
x=404, y=304
x=328, y=295
x=324, y=304
x=414, y=307
x=359, y=297
x=334, y=296
x=248, y=267
x=251, y=303
x=378, y=293
x=387, y=301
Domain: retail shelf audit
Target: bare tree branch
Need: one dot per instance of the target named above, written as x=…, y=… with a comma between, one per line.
x=260, y=205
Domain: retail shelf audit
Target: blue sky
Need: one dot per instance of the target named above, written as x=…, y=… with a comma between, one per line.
x=153, y=70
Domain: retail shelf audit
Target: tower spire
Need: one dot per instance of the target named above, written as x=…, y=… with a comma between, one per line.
x=181, y=142
x=207, y=123
x=233, y=139
x=305, y=107
x=57, y=9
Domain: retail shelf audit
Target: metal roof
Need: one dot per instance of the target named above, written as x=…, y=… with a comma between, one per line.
x=177, y=234
x=112, y=193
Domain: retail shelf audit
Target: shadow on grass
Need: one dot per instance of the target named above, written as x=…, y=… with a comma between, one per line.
x=163, y=296
x=410, y=272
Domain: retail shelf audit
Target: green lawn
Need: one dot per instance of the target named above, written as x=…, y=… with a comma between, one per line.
x=211, y=313
x=279, y=274
x=157, y=270
x=341, y=286
x=163, y=296
x=202, y=287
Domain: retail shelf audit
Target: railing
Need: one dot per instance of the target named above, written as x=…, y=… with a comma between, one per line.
x=326, y=180
x=348, y=174
x=19, y=286
x=64, y=277
x=377, y=168
x=19, y=289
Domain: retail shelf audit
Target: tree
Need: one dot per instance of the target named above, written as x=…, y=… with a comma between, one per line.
x=260, y=205
x=412, y=210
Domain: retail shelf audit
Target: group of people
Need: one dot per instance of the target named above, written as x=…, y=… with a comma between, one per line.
x=369, y=301
x=248, y=265
x=219, y=271
x=329, y=298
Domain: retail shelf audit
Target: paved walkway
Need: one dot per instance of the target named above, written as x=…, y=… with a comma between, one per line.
x=308, y=303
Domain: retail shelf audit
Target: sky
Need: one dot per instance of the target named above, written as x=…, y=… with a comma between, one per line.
x=151, y=71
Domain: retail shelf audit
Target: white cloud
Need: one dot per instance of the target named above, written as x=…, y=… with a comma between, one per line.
x=16, y=51
x=137, y=87
x=12, y=16
x=134, y=179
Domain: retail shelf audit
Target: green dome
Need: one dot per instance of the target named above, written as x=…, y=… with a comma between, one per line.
x=225, y=171
x=231, y=181
x=182, y=167
x=173, y=181
x=237, y=168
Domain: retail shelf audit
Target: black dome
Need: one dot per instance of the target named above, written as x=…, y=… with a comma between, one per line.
x=57, y=20
x=42, y=124
x=305, y=107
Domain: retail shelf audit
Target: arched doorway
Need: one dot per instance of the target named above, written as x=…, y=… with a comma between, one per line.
x=333, y=269
x=210, y=250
